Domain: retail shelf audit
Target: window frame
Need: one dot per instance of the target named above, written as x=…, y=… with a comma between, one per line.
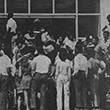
x=52, y=15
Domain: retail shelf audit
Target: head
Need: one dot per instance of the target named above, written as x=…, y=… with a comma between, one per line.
x=31, y=56
x=10, y=15
x=24, y=61
x=70, y=37
x=60, y=40
x=63, y=54
x=106, y=35
x=108, y=18
x=79, y=47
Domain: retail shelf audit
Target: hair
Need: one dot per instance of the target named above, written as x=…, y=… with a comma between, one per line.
x=63, y=54
x=108, y=18
x=10, y=15
x=106, y=32
x=79, y=47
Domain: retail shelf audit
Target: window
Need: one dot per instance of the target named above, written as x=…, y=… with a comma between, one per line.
x=2, y=25
x=81, y=17
x=88, y=25
x=17, y=6
x=88, y=6
x=41, y=6
x=1, y=6
x=65, y=6
x=61, y=27
x=88, y=17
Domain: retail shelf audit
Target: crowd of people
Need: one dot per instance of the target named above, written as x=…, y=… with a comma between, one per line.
x=38, y=72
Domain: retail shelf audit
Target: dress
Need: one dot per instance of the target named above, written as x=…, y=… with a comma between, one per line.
x=26, y=78
x=26, y=75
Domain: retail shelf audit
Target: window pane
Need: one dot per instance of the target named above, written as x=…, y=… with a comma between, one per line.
x=3, y=25
x=41, y=6
x=1, y=6
x=89, y=6
x=63, y=26
x=24, y=24
x=17, y=6
x=65, y=6
x=88, y=25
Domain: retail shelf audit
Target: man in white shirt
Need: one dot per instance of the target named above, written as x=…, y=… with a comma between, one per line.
x=11, y=27
x=40, y=71
x=5, y=66
x=80, y=73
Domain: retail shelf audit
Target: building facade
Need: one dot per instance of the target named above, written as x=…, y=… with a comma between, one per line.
x=81, y=17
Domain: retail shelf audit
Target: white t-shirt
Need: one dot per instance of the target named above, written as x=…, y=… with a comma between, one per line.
x=11, y=23
x=42, y=63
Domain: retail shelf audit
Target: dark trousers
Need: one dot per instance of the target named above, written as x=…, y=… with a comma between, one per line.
x=51, y=94
x=81, y=90
x=38, y=83
x=103, y=89
x=3, y=91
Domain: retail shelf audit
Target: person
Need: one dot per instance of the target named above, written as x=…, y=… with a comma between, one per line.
x=25, y=77
x=11, y=27
x=41, y=66
x=102, y=50
x=80, y=75
x=70, y=43
x=93, y=77
x=107, y=27
x=63, y=76
x=5, y=72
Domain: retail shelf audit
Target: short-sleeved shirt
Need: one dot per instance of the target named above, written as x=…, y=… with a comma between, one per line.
x=11, y=23
x=42, y=64
x=80, y=63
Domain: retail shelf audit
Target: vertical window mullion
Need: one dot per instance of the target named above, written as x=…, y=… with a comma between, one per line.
x=76, y=20
x=5, y=6
x=29, y=2
x=53, y=6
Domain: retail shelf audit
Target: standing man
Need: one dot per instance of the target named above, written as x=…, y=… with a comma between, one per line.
x=40, y=71
x=11, y=27
x=80, y=75
x=5, y=66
